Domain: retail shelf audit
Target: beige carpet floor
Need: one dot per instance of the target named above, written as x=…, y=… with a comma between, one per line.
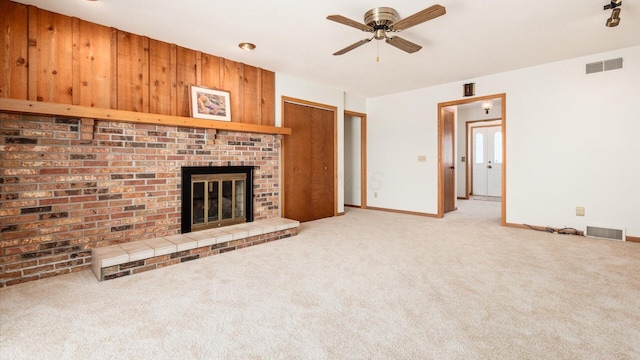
x=367, y=285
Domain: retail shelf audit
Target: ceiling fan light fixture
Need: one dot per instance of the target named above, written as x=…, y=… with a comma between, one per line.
x=381, y=21
x=247, y=46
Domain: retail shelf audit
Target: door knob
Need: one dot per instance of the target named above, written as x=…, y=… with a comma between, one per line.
x=325, y=168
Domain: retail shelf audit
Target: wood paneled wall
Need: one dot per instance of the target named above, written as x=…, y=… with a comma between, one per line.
x=55, y=58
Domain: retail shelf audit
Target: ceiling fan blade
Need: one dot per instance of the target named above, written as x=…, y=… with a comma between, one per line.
x=429, y=13
x=346, y=21
x=402, y=44
x=352, y=46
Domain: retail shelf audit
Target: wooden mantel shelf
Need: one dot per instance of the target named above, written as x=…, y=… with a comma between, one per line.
x=45, y=108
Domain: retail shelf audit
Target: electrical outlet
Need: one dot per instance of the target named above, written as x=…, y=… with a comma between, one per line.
x=375, y=194
x=422, y=158
x=579, y=210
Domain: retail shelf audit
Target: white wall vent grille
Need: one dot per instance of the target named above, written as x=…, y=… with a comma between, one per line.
x=595, y=67
x=606, y=65
x=613, y=64
x=605, y=233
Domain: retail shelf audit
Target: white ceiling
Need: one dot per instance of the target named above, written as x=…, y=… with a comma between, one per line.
x=293, y=37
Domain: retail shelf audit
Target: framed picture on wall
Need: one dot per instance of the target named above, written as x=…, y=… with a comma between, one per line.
x=209, y=103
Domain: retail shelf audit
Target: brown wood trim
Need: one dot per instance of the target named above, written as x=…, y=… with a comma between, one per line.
x=440, y=172
x=470, y=160
x=441, y=106
x=484, y=126
x=308, y=103
x=404, y=212
x=335, y=162
x=633, y=239
x=504, y=158
x=487, y=120
x=473, y=99
x=340, y=214
x=468, y=184
x=363, y=161
x=363, y=156
x=352, y=206
x=38, y=107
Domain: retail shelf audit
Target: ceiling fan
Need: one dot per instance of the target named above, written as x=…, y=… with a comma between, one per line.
x=383, y=20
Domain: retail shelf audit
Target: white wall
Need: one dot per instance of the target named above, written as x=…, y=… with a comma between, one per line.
x=305, y=90
x=401, y=127
x=355, y=103
x=571, y=140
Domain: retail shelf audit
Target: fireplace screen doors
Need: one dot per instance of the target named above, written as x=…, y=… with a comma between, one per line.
x=217, y=200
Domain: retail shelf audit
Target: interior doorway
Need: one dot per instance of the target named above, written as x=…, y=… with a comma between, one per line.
x=355, y=159
x=464, y=158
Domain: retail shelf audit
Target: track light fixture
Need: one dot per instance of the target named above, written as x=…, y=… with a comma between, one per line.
x=614, y=20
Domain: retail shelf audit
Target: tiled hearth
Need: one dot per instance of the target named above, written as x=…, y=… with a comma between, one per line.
x=119, y=260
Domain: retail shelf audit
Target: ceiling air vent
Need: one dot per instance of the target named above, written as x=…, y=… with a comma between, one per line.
x=606, y=65
x=605, y=233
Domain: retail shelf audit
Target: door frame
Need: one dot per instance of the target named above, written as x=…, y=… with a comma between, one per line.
x=334, y=109
x=363, y=156
x=441, y=106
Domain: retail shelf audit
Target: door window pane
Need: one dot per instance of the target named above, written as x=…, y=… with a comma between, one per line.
x=479, y=155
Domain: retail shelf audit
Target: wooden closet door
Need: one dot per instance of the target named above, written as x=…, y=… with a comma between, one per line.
x=322, y=155
x=308, y=163
x=297, y=163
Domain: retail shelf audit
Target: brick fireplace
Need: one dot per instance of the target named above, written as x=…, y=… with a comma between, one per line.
x=68, y=185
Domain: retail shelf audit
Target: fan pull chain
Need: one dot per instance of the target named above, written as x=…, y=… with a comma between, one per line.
x=377, y=51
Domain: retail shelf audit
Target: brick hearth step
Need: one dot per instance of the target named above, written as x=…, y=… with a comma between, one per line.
x=110, y=262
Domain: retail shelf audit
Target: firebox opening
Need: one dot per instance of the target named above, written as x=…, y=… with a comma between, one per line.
x=216, y=196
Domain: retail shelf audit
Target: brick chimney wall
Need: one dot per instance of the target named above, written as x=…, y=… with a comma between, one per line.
x=68, y=185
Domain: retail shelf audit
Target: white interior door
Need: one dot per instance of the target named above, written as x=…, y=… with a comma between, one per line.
x=487, y=160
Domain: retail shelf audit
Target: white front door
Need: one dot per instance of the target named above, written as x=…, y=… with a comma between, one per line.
x=486, y=143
